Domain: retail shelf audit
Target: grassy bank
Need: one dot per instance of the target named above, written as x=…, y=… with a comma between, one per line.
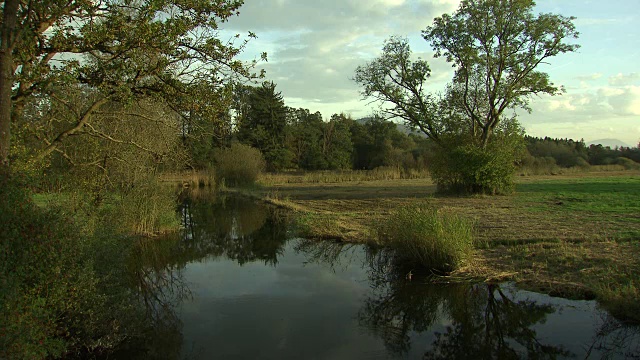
x=575, y=235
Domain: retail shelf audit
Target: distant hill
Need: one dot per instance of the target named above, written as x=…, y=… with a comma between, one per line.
x=612, y=143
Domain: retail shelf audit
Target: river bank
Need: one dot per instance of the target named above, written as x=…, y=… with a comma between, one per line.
x=575, y=235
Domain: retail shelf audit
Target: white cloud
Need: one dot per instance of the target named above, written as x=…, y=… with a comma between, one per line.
x=314, y=47
x=625, y=79
x=589, y=77
x=610, y=111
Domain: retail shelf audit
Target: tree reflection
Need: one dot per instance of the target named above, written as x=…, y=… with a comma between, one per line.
x=485, y=322
x=615, y=339
x=160, y=288
x=488, y=324
x=233, y=227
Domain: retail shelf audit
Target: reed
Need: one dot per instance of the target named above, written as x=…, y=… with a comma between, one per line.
x=425, y=236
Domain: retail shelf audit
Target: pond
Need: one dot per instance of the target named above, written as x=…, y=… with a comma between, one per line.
x=238, y=284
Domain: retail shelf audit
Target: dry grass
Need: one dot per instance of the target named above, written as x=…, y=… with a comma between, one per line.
x=585, y=244
x=195, y=178
x=325, y=177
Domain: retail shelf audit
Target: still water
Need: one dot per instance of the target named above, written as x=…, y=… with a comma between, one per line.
x=238, y=284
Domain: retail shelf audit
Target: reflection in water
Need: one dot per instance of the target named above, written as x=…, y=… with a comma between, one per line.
x=485, y=323
x=254, y=293
x=615, y=339
x=234, y=227
x=158, y=277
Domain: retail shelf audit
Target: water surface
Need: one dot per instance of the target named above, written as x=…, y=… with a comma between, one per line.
x=238, y=284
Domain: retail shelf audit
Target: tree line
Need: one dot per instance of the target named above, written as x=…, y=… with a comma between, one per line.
x=300, y=139
x=566, y=153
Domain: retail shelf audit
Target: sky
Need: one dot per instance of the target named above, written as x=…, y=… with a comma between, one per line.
x=314, y=47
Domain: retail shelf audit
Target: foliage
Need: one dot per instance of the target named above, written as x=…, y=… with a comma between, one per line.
x=264, y=124
x=147, y=208
x=425, y=236
x=124, y=143
x=122, y=51
x=548, y=156
x=239, y=164
x=531, y=165
x=495, y=47
x=465, y=168
x=58, y=298
x=395, y=79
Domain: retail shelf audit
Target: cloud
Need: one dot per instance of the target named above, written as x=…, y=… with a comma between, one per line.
x=315, y=46
x=591, y=114
x=589, y=77
x=625, y=79
x=627, y=102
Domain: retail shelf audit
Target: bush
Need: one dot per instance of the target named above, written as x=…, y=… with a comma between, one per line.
x=531, y=165
x=627, y=163
x=469, y=169
x=424, y=236
x=56, y=300
x=239, y=164
x=148, y=208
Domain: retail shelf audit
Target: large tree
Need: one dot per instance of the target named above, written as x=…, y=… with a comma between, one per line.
x=125, y=49
x=263, y=125
x=496, y=47
x=398, y=82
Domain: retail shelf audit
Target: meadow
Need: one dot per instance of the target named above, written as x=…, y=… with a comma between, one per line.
x=574, y=235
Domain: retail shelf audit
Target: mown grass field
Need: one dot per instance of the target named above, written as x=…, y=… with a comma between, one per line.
x=575, y=235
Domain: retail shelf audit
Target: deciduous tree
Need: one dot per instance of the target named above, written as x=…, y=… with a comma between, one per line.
x=496, y=48
x=124, y=49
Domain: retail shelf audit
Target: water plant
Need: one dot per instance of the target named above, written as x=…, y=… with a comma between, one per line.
x=422, y=235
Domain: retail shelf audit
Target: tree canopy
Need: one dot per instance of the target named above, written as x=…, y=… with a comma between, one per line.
x=125, y=49
x=496, y=47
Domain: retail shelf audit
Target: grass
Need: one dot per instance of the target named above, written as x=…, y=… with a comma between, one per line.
x=574, y=234
x=433, y=239
x=380, y=173
x=191, y=178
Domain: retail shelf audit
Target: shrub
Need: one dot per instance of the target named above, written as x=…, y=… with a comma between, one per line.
x=531, y=165
x=147, y=208
x=424, y=236
x=469, y=169
x=239, y=164
x=56, y=299
x=627, y=163
x=462, y=165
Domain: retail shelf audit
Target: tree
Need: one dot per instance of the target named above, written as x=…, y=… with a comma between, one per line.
x=124, y=49
x=337, y=144
x=394, y=79
x=495, y=47
x=264, y=125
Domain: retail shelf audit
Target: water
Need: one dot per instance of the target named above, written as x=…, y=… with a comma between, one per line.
x=239, y=285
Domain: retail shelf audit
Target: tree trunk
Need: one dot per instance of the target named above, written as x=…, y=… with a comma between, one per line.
x=9, y=19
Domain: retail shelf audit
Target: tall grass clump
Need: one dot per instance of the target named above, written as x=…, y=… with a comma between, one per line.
x=239, y=164
x=424, y=236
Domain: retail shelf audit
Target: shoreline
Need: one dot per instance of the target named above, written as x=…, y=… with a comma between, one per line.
x=574, y=236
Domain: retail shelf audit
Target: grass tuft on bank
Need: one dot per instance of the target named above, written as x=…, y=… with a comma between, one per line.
x=428, y=237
